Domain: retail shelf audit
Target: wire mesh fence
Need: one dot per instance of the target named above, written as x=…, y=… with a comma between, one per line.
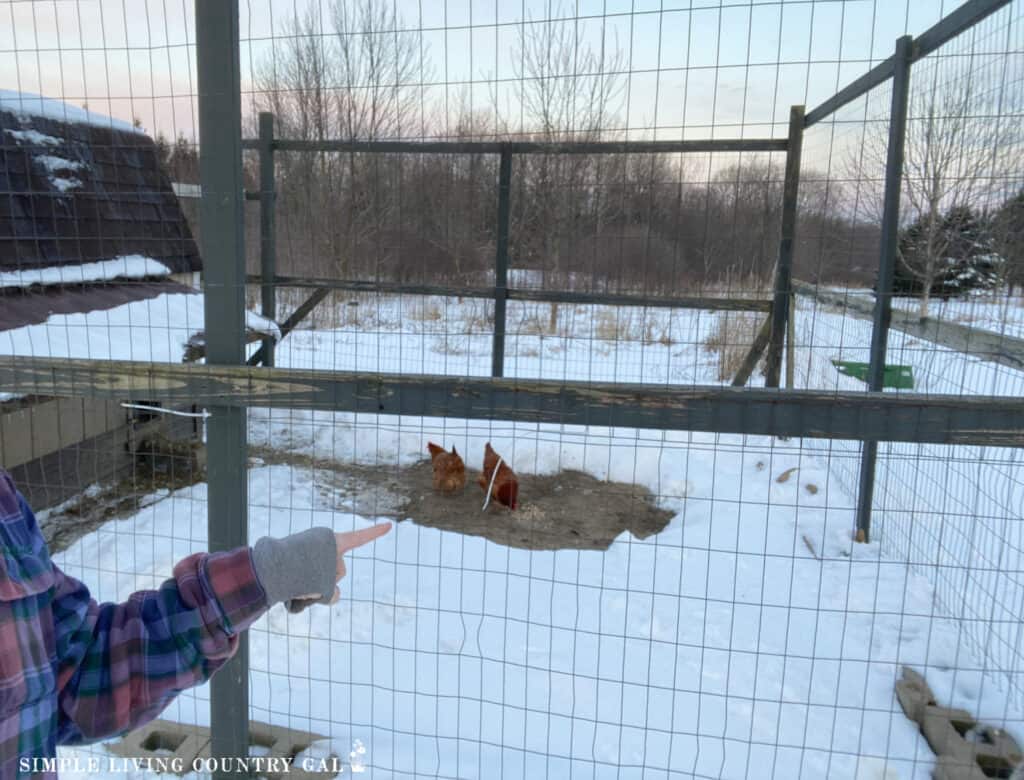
x=954, y=169
x=561, y=231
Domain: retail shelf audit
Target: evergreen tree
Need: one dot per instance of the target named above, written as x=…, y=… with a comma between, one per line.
x=1008, y=236
x=968, y=259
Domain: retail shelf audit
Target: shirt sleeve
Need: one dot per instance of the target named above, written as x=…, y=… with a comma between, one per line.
x=120, y=665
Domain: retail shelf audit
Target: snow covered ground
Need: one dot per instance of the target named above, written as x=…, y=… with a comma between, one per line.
x=955, y=513
x=993, y=311
x=156, y=329
x=443, y=336
x=996, y=313
x=751, y=638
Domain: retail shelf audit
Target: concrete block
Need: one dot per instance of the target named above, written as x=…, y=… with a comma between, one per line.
x=163, y=738
x=964, y=749
x=167, y=739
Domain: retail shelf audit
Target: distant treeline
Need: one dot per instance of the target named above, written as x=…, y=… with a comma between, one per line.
x=661, y=224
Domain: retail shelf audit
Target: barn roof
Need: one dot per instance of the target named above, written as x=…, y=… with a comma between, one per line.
x=90, y=233
x=76, y=190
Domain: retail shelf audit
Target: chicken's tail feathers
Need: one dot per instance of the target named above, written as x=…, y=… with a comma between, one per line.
x=454, y=451
x=508, y=494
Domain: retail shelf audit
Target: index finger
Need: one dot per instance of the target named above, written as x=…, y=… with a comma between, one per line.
x=352, y=539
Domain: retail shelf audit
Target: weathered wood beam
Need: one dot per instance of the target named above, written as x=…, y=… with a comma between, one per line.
x=982, y=344
x=784, y=267
x=529, y=147
x=754, y=354
x=646, y=301
x=996, y=421
x=297, y=316
x=519, y=294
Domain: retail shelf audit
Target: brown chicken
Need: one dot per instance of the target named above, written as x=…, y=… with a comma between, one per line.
x=449, y=470
x=505, y=489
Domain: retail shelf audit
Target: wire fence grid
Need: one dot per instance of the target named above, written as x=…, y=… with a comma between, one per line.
x=560, y=229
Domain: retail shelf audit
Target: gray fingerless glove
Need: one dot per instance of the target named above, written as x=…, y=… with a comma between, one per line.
x=299, y=564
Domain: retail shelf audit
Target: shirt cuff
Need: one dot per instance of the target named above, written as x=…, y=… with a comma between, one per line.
x=231, y=579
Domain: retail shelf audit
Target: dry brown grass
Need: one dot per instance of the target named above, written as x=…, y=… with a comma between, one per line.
x=479, y=316
x=731, y=340
x=531, y=325
x=425, y=310
x=543, y=320
x=615, y=325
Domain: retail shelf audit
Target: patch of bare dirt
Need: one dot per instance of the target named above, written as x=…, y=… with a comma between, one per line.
x=565, y=511
x=64, y=525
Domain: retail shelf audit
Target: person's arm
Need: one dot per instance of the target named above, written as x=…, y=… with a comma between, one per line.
x=120, y=665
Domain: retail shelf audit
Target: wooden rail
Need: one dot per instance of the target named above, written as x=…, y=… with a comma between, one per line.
x=828, y=415
x=522, y=294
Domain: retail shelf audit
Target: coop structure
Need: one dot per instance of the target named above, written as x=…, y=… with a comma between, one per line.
x=92, y=237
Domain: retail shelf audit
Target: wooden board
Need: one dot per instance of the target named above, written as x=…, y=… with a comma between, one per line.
x=981, y=420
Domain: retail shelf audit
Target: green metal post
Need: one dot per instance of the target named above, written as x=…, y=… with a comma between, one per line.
x=501, y=265
x=886, y=267
x=220, y=165
x=268, y=248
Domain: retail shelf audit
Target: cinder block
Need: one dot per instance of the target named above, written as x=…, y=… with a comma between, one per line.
x=287, y=743
x=164, y=738
x=913, y=694
x=964, y=749
x=169, y=739
x=952, y=768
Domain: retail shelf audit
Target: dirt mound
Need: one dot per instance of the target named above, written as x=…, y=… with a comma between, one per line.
x=565, y=511
x=569, y=510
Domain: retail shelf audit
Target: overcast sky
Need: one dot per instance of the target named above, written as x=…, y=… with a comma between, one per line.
x=717, y=68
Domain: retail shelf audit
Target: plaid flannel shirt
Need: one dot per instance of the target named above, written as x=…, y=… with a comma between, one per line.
x=74, y=671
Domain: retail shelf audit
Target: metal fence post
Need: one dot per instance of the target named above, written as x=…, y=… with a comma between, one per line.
x=784, y=267
x=268, y=250
x=791, y=344
x=220, y=166
x=886, y=267
x=501, y=264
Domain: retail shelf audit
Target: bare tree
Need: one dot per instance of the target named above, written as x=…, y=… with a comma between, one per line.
x=352, y=72
x=567, y=91
x=956, y=145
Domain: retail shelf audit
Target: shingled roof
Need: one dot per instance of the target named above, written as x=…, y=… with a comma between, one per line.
x=90, y=234
x=74, y=192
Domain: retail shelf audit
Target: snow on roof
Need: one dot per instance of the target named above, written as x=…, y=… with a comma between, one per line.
x=155, y=330
x=186, y=190
x=30, y=104
x=34, y=137
x=122, y=267
x=84, y=193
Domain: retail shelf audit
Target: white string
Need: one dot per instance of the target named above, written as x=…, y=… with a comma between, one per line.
x=491, y=486
x=203, y=414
